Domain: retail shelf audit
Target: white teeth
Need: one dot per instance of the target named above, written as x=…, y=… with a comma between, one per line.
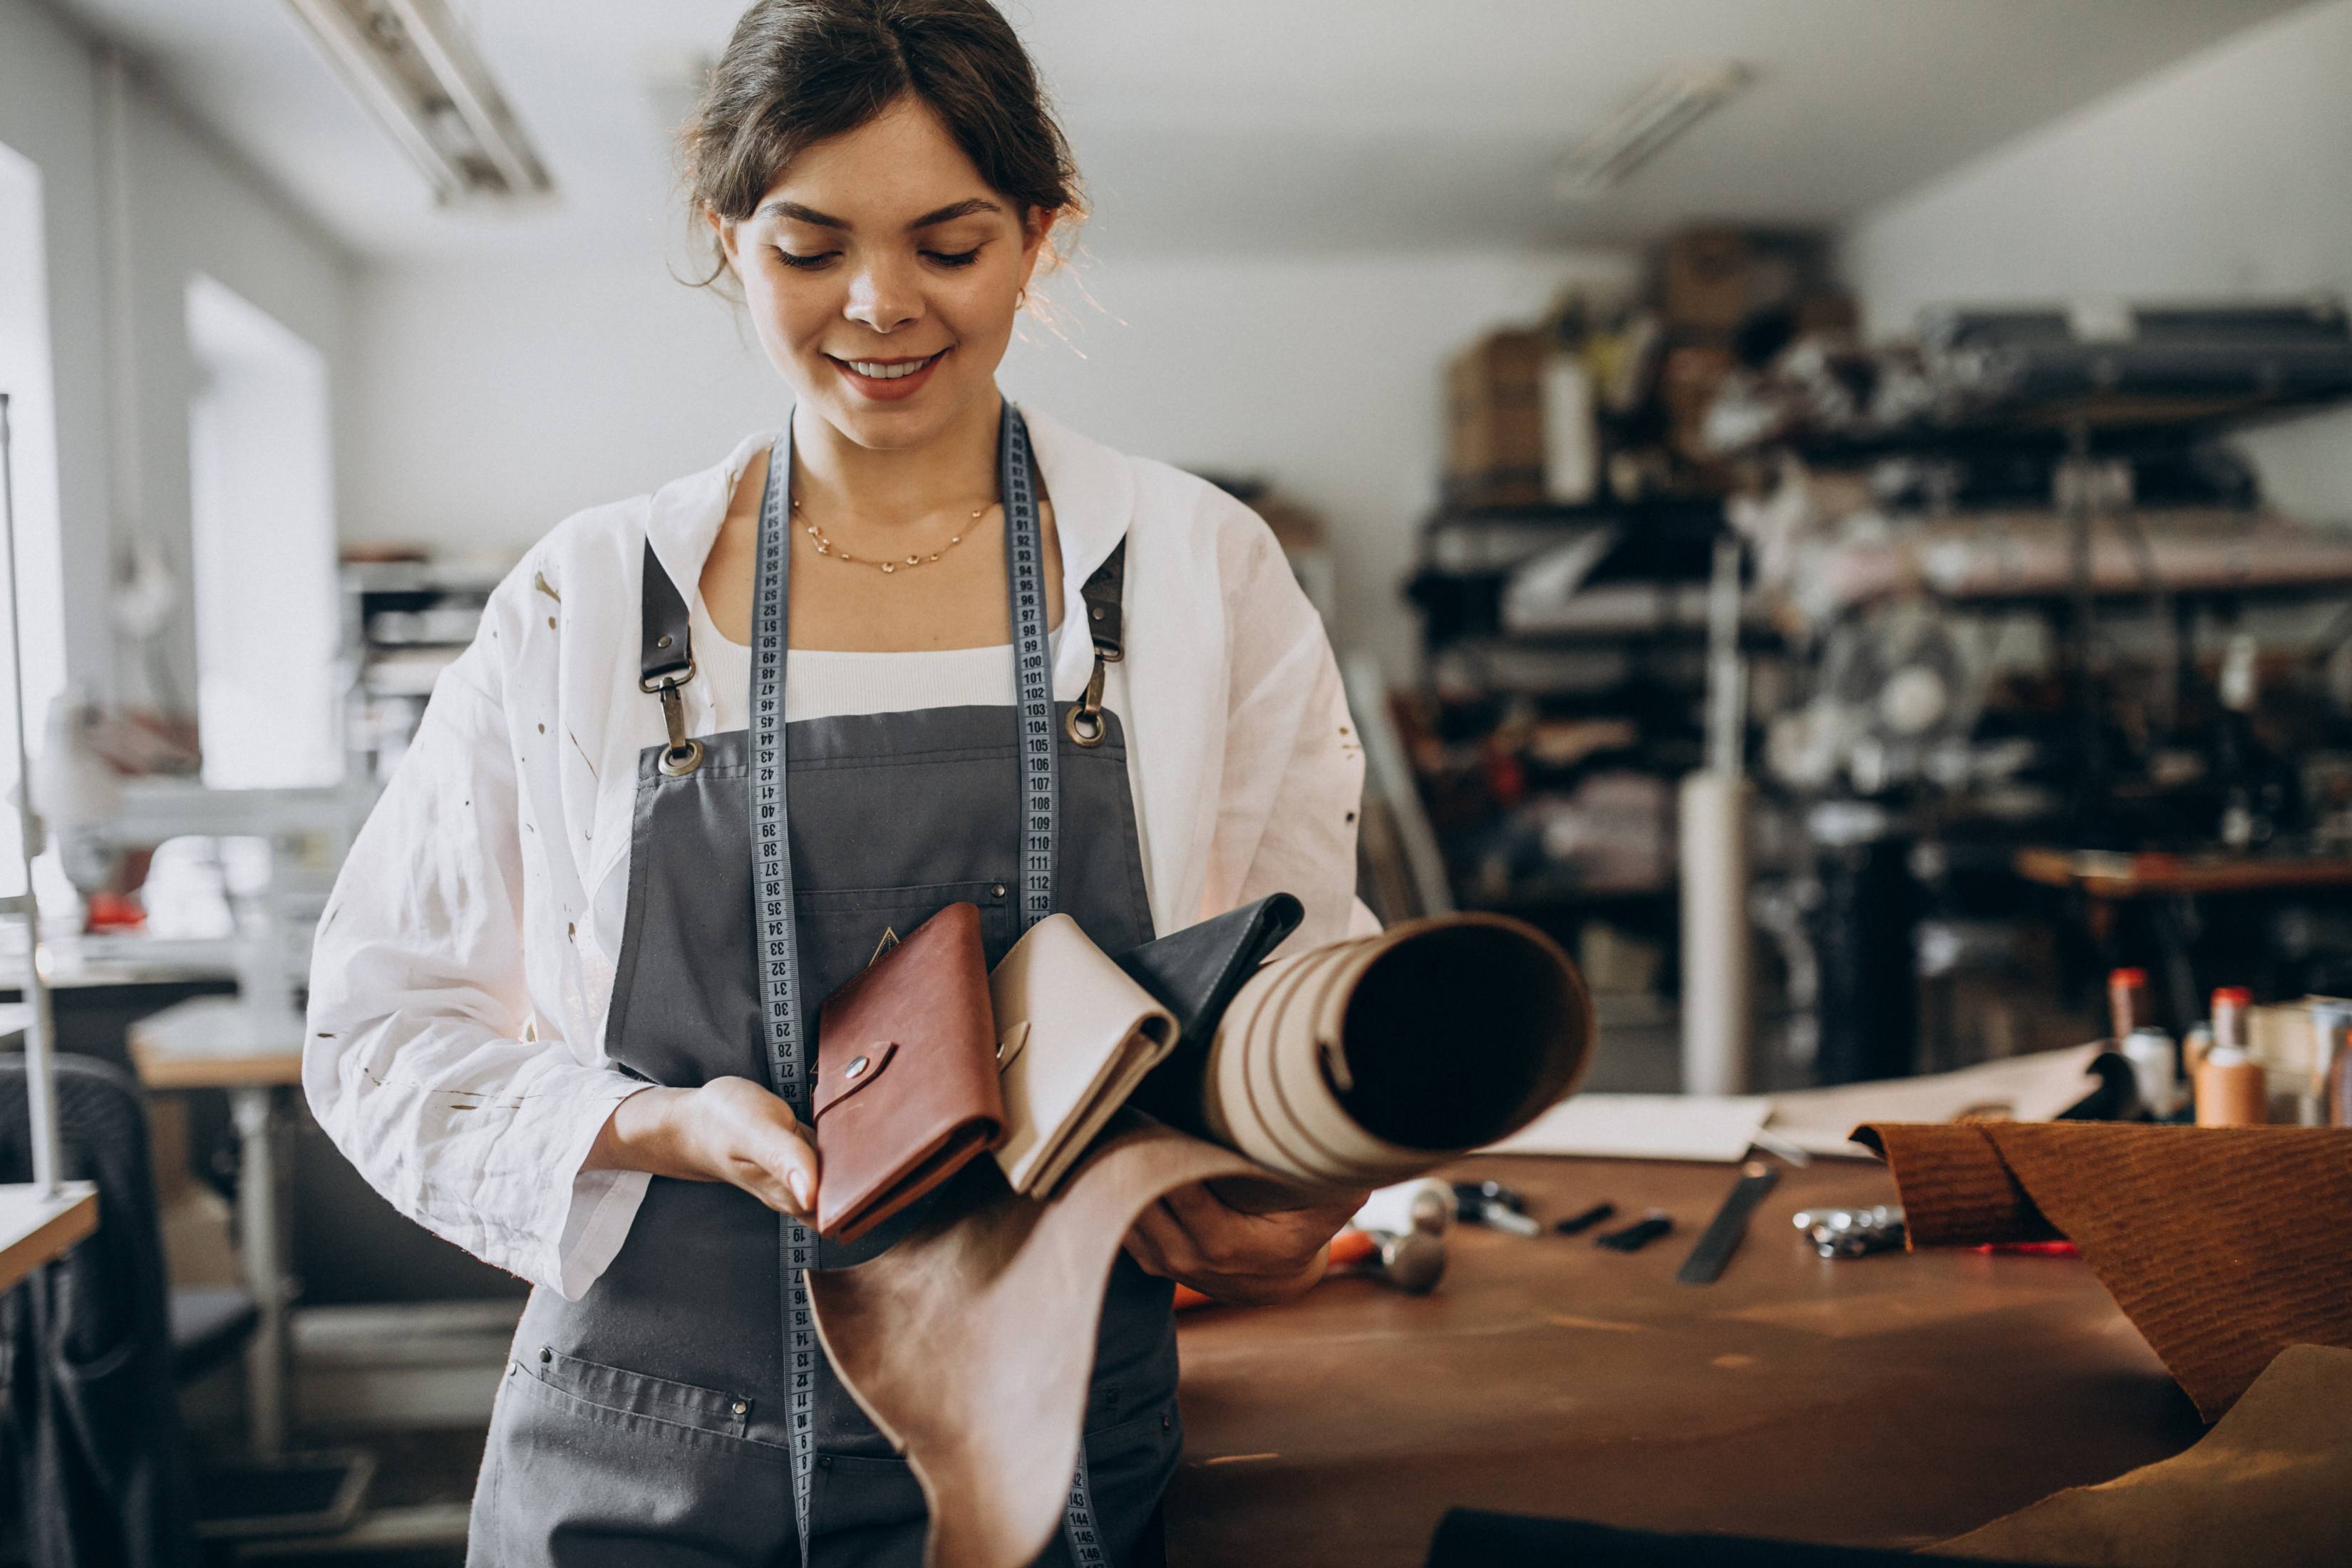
x=888, y=371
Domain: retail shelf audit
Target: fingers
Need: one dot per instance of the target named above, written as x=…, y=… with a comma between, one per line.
x=765, y=1152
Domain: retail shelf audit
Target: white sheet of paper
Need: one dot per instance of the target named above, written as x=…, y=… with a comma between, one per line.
x=2020, y=1089
x=1643, y=1127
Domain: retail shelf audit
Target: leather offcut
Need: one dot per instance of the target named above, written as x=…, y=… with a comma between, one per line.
x=2223, y=1246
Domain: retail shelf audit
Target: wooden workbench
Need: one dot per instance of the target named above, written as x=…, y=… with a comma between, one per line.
x=37, y=1228
x=1892, y=1400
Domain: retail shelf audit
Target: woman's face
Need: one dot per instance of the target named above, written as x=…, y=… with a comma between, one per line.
x=883, y=274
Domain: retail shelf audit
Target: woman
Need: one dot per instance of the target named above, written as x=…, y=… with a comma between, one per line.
x=538, y=1022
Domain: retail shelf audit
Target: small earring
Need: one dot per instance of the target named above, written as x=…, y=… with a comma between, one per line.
x=1021, y=301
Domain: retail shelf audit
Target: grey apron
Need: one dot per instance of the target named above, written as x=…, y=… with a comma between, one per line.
x=645, y=1422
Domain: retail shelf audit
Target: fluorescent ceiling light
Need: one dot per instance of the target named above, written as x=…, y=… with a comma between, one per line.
x=414, y=67
x=1642, y=125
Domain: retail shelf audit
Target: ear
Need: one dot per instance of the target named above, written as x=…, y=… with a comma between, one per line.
x=1038, y=224
x=726, y=233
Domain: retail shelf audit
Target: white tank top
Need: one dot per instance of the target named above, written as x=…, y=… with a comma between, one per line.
x=823, y=683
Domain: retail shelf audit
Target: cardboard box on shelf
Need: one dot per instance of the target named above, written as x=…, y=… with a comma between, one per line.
x=1495, y=422
x=1710, y=280
x=1703, y=279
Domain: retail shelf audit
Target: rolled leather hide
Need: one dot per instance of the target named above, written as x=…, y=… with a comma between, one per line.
x=1372, y=1060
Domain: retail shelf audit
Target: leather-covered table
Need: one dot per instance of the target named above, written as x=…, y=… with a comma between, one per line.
x=1892, y=1400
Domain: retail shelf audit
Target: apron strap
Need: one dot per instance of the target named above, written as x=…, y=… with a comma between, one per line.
x=666, y=661
x=1105, y=621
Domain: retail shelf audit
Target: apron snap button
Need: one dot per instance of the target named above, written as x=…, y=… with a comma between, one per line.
x=997, y=892
x=741, y=1407
x=825, y=1462
x=545, y=1355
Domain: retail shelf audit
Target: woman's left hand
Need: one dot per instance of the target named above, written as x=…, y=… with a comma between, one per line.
x=1193, y=1236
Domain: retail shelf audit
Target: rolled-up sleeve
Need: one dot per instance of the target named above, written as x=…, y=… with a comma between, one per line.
x=424, y=1060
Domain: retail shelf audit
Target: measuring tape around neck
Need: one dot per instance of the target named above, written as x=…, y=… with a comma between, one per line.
x=771, y=881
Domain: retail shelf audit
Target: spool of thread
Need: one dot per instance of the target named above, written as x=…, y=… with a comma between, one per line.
x=2128, y=1002
x=2232, y=1090
x=2156, y=1067
x=2230, y=1004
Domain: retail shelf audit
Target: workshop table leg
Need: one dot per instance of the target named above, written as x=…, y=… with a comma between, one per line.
x=261, y=1248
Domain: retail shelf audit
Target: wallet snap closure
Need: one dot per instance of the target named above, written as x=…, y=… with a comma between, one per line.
x=1010, y=1045
x=865, y=1065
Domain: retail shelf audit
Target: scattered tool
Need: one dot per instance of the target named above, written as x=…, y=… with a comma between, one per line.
x=1852, y=1233
x=1576, y=1224
x=1412, y=1262
x=1638, y=1235
x=1423, y=1204
x=1495, y=1205
x=1721, y=1240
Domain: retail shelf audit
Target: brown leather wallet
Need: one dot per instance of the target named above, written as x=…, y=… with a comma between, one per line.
x=906, y=1089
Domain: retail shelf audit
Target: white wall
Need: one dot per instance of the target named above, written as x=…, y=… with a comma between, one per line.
x=188, y=208
x=2228, y=174
x=496, y=398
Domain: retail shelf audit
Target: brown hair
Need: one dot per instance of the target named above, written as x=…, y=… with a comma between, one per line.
x=798, y=71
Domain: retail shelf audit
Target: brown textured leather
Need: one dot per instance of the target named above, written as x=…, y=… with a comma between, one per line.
x=997, y=1295
x=2272, y=1484
x=918, y=1025
x=2222, y=1245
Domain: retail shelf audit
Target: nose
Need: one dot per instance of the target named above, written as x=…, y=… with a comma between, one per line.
x=885, y=295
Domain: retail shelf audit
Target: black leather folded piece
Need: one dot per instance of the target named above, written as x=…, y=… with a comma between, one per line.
x=1195, y=974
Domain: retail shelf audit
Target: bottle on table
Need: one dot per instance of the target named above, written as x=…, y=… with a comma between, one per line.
x=2156, y=1066
x=2129, y=1009
x=2233, y=1091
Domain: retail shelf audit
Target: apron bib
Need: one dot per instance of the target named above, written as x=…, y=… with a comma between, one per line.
x=650, y=1422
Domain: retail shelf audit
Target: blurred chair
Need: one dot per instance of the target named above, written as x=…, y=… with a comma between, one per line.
x=86, y=1356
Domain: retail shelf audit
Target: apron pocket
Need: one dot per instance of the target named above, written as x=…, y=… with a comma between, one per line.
x=1127, y=1467
x=638, y=1400
x=862, y=1507
x=840, y=930
x=567, y=1482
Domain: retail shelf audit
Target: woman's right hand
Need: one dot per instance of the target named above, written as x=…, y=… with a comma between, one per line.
x=730, y=1129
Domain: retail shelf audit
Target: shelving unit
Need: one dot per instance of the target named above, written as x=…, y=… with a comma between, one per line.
x=408, y=621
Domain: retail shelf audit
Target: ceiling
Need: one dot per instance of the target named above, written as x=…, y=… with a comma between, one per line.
x=1269, y=125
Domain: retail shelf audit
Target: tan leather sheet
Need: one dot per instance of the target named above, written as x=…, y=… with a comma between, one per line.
x=2271, y=1483
x=970, y=1342
x=2223, y=1246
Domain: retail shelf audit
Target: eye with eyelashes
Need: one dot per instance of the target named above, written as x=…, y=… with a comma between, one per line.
x=814, y=260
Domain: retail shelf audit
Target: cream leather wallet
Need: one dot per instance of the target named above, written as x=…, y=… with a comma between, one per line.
x=1074, y=1037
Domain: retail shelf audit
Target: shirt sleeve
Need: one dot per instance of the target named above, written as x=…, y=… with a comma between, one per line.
x=424, y=1059
x=1293, y=776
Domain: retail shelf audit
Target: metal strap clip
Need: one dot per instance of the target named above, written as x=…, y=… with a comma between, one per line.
x=1102, y=593
x=683, y=754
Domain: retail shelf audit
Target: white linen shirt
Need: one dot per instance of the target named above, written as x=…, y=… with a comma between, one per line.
x=465, y=962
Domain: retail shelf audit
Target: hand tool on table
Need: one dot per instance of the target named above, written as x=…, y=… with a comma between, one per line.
x=1722, y=1236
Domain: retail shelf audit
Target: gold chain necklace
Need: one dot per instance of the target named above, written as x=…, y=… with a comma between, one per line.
x=827, y=547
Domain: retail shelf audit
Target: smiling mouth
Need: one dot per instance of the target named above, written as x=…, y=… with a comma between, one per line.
x=889, y=370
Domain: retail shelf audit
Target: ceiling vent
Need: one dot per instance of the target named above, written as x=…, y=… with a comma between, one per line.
x=417, y=71
x=1642, y=125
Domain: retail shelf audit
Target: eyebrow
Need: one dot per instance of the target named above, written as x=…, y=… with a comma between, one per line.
x=948, y=213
